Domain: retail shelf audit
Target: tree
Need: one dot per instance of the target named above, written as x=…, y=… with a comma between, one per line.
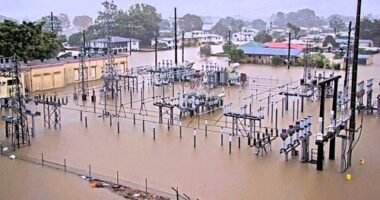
x=205, y=50
x=190, y=22
x=82, y=22
x=51, y=24
x=259, y=24
x=164, y=24
x=370, y=29
x=65, y=21
x=236, y=54
x=28, y=41
x=227, y=47
x=277, y=61
x=336, y=23
x=146, y=20
x=263, y=37
x=228, y=23
x=302, y=18
x=294, y=29
x=330, y=40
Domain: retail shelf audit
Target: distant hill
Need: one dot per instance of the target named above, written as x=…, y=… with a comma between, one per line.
x=2, y=18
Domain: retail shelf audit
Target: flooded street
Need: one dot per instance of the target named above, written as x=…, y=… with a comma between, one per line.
x=206, y=172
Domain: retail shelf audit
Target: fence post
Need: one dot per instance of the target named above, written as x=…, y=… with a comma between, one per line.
x=180, y=130
x=117, y=177
x=221, y=136
x=146, y=185
x=154, y=132
x=89, y=172
x=195, y=138
x=64, y=164
x=230, y=143
x=42, y=159
x=206, y=128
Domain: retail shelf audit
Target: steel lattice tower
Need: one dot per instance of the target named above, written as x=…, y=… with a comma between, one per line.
x=18, y=118
x=110, y=75
x=83, y=71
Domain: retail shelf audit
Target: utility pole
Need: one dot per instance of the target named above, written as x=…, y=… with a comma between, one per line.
x=306, y=57
x=183, y=46
x=175, y=37
x=155, y=50
x=52, y=21
x=289, y=47
x=347, y=55
x=229, y=49
x=354, y=82
x=130, y=45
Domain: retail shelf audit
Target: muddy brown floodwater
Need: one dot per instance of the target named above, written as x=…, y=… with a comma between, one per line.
x=205, y=172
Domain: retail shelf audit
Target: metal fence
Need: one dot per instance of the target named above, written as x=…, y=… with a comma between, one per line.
x=7, y=149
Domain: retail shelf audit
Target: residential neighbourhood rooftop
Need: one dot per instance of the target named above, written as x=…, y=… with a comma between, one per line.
x=270, y=51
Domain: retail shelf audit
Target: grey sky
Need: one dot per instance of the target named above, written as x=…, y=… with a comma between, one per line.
x=32, y=9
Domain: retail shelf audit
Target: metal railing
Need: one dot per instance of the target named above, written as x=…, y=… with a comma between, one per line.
x=7, y=150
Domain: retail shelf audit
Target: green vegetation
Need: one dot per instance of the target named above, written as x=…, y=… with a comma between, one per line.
x=233, y=52
x=263, y=37
x=258, y=24
x=318, y=60
x=82, y=22
x=277, y=61
x=370, y=29
x=48, y=24
x=140, y=21
x=28, y=41
x=228, y=23
x=330, y=40
x=190, y=22
x=294, y=29
x=302, y=18
x=336, y=22
x=205, y=50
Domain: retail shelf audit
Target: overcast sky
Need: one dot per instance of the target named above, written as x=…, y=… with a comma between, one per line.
x=33, y=9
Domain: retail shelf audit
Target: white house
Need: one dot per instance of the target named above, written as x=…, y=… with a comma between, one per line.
x=118, y=44
x=201, y=37
x=194, y=38
x=247, y=34
x=167, y=42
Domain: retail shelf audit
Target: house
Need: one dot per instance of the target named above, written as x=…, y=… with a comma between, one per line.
x=118, y=44
x=247, y=34
x=363, y=59
x=167, y=42
x=262, y=55
x=362, y=42
x=280, y=45
x=253, y=44
x=196, y=38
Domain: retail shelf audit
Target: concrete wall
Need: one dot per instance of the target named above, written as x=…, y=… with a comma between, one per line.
x=61, y=74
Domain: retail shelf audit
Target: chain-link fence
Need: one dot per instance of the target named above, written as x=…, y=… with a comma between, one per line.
x=87, y=174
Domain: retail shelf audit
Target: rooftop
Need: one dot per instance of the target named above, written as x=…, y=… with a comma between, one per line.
x=115, y=39
x=284, y=45
x=270, y=51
